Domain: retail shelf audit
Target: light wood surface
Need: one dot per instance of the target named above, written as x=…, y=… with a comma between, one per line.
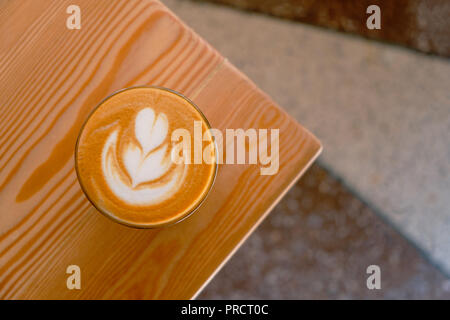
x=51, y=78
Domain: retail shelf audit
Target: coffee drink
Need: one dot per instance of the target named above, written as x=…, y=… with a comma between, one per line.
x=124, y=157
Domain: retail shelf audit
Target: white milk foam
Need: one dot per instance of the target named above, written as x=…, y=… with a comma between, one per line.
x=144, y=163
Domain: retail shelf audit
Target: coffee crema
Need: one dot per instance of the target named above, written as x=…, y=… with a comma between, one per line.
x=124, y=158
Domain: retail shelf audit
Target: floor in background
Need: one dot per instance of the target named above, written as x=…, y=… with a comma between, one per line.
x=382, y=112
x=419, y=24
x=317, y=244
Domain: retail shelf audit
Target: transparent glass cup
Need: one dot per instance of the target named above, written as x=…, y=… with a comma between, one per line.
x=111, y=215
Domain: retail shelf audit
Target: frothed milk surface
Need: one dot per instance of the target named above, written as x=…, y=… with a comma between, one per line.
x=124, y=161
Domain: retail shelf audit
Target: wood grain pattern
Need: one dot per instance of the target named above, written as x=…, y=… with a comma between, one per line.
x=51, y=78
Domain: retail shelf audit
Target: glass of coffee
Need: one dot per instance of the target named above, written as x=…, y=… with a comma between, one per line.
x=137, y=157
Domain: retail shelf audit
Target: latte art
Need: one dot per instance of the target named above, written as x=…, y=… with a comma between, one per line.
x=124, y=158
x=145, y=163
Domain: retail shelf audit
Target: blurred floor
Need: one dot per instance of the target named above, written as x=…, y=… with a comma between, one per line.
x=317, y=244
x=418, y=24
x=381, y=111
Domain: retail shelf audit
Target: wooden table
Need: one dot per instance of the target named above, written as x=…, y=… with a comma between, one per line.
x=51, y=77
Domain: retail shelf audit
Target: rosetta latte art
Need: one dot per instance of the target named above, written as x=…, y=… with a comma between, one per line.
x=150, y=176
x=127, y=157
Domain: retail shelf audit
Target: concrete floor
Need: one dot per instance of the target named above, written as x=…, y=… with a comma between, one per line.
x=381, y=111
x=317, y=244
